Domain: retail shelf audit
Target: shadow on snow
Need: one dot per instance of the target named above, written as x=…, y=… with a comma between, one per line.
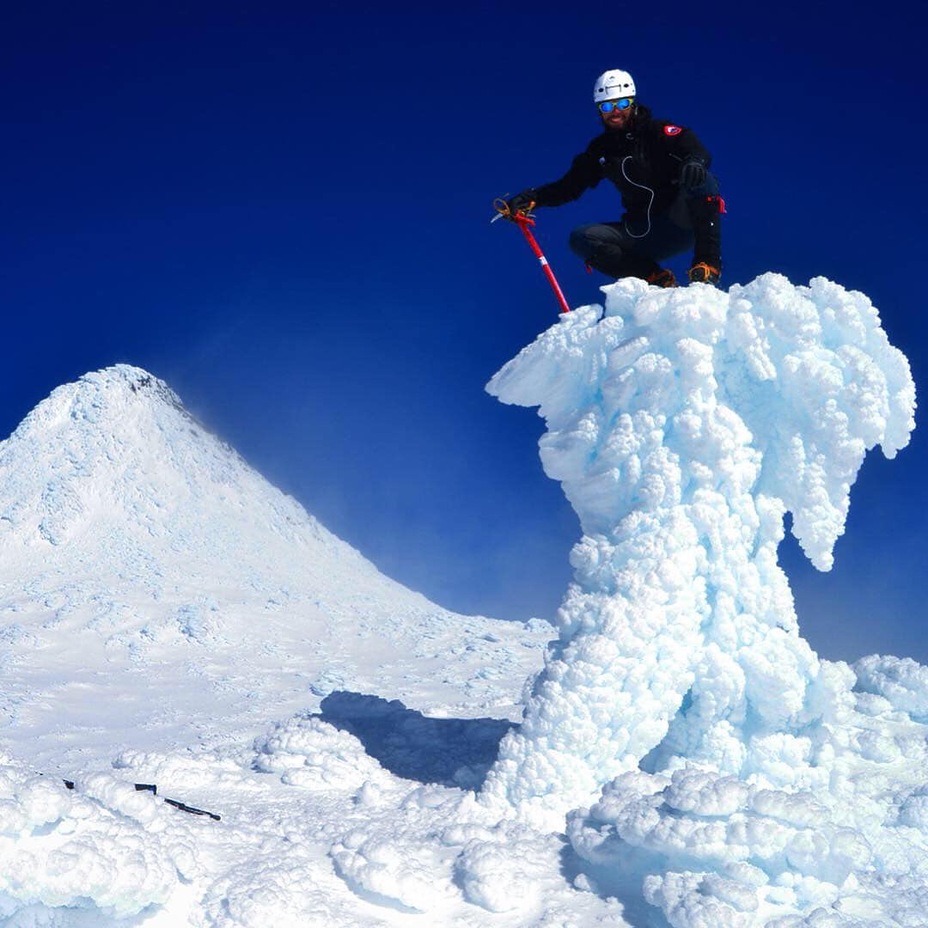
x=458, y=753
x=449, y=752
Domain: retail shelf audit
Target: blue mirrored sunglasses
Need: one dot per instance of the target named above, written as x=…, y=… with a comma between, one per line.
x=611, y=105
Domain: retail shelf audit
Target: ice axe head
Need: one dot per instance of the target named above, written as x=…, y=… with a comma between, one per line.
x=504, y=211
x=523, y=220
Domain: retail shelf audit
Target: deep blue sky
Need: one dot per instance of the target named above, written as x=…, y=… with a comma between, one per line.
x=284, y=214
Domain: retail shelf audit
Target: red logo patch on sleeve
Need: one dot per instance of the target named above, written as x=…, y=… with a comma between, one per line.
x=672, y=130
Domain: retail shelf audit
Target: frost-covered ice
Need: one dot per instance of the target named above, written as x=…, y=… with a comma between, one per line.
x=684, y=758
x=711, y=760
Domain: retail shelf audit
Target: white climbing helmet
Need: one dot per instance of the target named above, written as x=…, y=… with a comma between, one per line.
x=613, y=84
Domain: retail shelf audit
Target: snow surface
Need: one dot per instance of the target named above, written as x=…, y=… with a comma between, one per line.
x=683, y=758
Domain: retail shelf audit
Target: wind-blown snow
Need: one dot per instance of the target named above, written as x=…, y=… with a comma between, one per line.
x=684, y=758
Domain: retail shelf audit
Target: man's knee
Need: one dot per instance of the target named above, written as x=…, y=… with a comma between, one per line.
x=585, y=241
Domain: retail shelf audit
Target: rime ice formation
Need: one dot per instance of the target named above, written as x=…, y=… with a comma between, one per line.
x=711, y=756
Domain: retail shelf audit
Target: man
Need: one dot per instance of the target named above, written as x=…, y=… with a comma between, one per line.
x=671, y=200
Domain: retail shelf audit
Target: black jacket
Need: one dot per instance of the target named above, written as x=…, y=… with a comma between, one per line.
x=648, y=154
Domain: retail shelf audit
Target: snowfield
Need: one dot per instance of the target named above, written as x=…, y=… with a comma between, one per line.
x=319, y=746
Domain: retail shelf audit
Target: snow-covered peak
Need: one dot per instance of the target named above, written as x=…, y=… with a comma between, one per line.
x=133, y=536
x=118, y=446
x=113, y=471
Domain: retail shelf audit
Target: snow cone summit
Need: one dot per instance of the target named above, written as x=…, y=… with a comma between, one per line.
x=681, y=756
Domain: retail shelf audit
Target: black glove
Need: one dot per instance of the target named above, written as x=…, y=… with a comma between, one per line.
x=692, y=175
x=522, y=202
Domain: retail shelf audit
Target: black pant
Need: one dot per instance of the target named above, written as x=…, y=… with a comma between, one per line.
x=633, y=249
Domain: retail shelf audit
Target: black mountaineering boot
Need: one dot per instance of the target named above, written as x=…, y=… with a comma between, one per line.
x=662, y=277
x=703, y=273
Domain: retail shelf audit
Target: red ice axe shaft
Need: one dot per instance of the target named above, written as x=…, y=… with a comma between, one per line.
x=524, y=222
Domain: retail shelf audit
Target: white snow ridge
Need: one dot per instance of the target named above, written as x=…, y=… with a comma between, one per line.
x=683, y=758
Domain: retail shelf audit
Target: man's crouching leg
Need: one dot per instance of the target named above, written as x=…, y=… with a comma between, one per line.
x=602, y=247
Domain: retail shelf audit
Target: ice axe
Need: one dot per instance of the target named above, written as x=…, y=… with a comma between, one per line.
x=524, y=220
